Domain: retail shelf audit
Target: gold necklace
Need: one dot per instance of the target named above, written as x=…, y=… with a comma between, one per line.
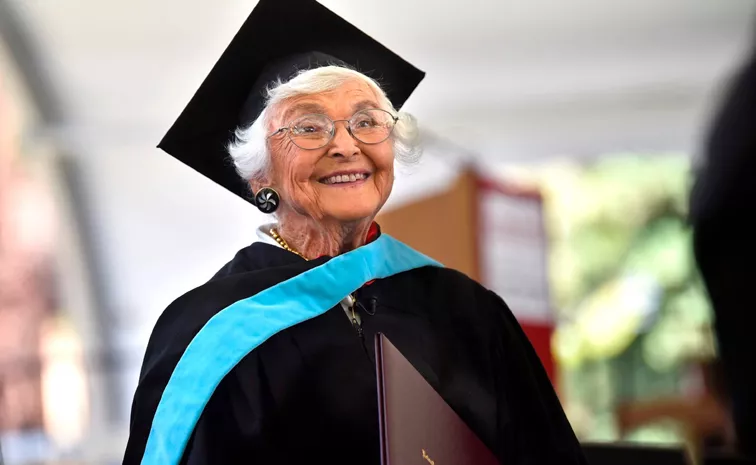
x=349, y=300
x=282, y=242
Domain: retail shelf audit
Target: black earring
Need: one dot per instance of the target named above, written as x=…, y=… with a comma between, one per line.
x=267, y=200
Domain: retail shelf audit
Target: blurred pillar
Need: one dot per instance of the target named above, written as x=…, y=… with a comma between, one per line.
x=450, y=228
x=443, y=226
x=63, y=276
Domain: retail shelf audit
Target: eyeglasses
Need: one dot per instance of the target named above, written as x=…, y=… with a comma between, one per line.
x=315, y=131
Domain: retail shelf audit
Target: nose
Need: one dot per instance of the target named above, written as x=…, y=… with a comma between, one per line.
x=342, y=145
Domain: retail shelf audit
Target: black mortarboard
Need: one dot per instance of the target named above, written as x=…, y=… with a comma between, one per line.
x=280, y=38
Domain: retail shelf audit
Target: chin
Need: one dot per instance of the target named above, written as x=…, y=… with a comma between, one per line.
x=349, y=205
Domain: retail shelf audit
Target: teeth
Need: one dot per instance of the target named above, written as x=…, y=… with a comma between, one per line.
x=345, y=178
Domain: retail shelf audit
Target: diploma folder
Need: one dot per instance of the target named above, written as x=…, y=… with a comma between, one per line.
x=416, y=425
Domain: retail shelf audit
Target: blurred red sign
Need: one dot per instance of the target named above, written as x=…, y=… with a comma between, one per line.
x=513, y=258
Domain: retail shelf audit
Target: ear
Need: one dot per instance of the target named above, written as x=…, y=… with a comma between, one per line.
x=258, y=182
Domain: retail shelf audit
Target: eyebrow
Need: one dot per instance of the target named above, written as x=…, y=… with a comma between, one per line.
x=364, y=105
x=303, y=107
x=315, y=108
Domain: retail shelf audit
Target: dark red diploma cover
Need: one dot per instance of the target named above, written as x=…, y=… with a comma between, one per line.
x=417, y=426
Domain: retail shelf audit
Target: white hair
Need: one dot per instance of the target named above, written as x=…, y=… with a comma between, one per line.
x=249, y=149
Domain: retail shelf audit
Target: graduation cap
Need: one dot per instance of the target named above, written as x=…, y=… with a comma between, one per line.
x=279, y=39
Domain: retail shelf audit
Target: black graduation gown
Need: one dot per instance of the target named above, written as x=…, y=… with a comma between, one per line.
x=309, y=392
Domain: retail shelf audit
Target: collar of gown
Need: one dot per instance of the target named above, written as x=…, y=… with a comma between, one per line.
x=263, y=234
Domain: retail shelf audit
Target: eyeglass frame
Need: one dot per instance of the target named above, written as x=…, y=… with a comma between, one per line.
x=333, y=127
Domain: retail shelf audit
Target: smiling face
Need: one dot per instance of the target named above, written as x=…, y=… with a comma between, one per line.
x=343, y=182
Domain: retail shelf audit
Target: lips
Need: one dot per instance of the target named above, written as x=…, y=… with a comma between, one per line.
x=344, y=178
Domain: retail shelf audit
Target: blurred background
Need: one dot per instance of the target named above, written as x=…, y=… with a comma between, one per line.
x=561, y=139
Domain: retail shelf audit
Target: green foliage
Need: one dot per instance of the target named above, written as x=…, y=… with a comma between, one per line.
x=622, y=217
x=623, y=280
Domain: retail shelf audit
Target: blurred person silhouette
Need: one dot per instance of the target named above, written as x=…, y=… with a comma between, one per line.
x=272, y=360
x=723, y=202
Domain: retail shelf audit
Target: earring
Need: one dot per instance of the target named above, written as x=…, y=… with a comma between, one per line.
x=267, y=200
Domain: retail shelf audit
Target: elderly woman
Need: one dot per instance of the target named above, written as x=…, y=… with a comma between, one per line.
x=272, y=360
